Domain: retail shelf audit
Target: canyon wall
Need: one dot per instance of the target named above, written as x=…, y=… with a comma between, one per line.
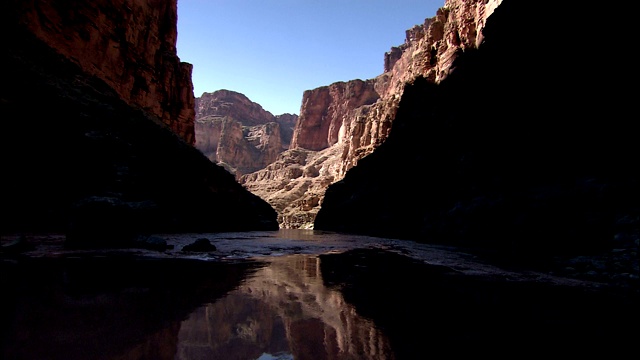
x=129, y=44
x=343, y=122
x=239, y=134
x=83, y=160
x=326, y=109
x=518, y=149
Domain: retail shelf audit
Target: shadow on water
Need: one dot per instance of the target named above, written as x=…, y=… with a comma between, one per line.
x=109, y=307
x=433, y=310
x=358, y=304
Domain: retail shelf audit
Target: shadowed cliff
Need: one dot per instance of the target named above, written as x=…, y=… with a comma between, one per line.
x=80, y=160
x=543, y=160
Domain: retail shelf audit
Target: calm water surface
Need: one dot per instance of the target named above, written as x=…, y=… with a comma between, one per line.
x=282, y=311
x=289, y=294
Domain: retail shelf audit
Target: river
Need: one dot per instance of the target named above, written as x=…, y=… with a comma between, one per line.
x=298, y=294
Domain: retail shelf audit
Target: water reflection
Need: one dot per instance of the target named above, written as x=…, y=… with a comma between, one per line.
x=321, y=301
x=104, y=307
x=282, y=311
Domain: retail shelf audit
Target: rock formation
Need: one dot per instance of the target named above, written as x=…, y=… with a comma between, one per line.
x=87, y=92
x=321, y=124
x=341, y=123
x=513, y=150
x=129, y=44
x=238, y=133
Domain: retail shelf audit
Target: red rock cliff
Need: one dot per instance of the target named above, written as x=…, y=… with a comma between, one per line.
x=85, y=162
x=132, y=49
x=325, y=109
x=341, y=123
x=238, y=133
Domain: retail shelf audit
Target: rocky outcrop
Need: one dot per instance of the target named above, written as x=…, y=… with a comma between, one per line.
x=238, y=133
x=232, y=104
x=431, y=48
x=539, y=159
x=129, y=44
x=295, y=183
x=85, y=162
x=342, y=123
x=325, y=109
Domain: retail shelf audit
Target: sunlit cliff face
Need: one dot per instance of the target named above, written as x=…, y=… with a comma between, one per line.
x=343, y=122
x=283, y=308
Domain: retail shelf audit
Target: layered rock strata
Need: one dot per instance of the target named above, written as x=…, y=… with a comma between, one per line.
x=84, y=162
x=541, y=160
x=129, y=44
x=239, y=134
x=341, y=123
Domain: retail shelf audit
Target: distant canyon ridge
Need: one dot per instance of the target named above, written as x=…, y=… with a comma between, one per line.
x=290, y=160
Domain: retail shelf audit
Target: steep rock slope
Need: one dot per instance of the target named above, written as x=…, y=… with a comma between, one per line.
x=343, y=122
x=129, y=44
x=541, y=159
x=238, y=133
x=84, y=162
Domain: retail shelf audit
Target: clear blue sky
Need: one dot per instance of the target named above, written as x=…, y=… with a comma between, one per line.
x=273, y=50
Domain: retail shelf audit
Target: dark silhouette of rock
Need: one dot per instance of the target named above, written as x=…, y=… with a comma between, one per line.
x=82, y=161
x=200, y=245
x=542, y=161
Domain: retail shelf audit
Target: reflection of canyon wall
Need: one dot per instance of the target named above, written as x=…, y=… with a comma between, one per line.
x=283, y=308
x=341, y=123
x=239, y=134
x=129, y=44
